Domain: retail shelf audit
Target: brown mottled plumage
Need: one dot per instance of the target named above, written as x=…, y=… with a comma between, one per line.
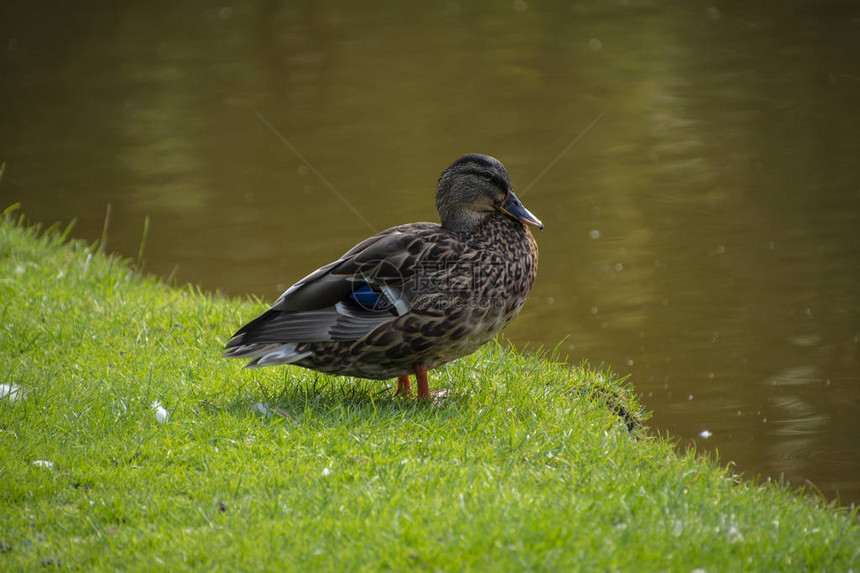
x=413, y=297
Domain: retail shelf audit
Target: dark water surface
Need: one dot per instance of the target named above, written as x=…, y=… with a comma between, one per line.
x=703, y=236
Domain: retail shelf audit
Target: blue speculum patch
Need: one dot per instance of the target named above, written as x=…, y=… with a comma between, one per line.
x=367, y=297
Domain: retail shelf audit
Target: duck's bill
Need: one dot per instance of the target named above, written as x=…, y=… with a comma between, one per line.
x=514, y=207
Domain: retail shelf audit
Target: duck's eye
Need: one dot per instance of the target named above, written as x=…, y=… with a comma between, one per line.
x=487, y=176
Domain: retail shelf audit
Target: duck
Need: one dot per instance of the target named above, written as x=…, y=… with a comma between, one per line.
x=411, y=298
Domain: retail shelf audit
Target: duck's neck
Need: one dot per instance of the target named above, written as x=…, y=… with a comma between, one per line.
x=495, y=224
x=464, y=221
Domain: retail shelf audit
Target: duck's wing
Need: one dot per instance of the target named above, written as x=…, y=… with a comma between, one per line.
x=345, y=299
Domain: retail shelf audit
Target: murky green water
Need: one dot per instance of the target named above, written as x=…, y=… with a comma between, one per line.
x=702, y=236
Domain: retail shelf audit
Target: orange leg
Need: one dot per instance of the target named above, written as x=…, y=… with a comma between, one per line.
x=421, y=379
x=404, y=387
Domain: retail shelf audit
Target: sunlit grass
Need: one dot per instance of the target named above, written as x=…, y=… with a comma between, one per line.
x=129, y=443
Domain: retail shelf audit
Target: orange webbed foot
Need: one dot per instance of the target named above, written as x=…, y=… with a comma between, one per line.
x=404, y=386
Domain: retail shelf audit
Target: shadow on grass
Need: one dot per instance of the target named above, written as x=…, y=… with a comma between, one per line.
x=320, y=398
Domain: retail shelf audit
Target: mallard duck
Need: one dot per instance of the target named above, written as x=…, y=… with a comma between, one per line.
x=411, y=298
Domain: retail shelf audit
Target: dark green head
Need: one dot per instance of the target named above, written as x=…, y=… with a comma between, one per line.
x=475, y=187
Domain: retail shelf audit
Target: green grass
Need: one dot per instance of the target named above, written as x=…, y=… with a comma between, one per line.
x=529, y=465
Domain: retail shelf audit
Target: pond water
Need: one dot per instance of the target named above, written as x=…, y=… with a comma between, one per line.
x=697, y=166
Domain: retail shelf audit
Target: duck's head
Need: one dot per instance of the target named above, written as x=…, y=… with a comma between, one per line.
x=475, y=187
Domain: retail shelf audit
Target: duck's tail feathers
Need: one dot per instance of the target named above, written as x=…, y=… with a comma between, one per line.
x=266, y=354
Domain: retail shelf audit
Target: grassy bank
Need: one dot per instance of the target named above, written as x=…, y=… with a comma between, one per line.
x=127, y=442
